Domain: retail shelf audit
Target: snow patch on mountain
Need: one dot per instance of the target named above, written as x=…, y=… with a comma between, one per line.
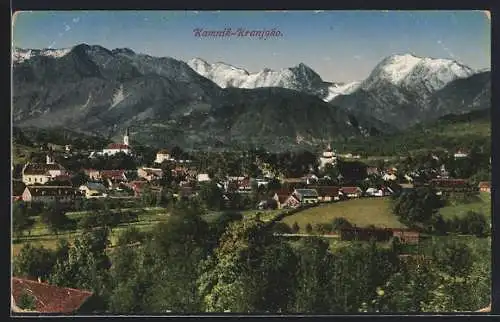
x=19, y=55
x=118, y=97
x=341, y=89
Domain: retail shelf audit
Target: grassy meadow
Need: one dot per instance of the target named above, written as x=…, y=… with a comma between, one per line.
x=360, y=212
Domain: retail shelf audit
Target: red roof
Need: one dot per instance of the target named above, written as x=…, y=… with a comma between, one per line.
x=484, y=184
x=284, y=191
x=137, y=185
x=283, y=197
x=117, y=146
x=113, y=174
x=350, y=189
x=49, y=298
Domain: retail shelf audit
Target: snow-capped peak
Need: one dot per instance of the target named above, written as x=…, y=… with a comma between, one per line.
x=19, y=55
x=225, y=75
x=409, y=70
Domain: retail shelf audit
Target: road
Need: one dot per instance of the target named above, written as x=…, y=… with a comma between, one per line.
x=308, y=235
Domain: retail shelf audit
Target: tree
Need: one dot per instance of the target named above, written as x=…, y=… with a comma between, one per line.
x=474, y=223
x=175, y=251
x=211, y=195
x=453, y=258
x=27, y=301
x=80, y=178
x=219, y=225
x=54, y=217
x=34, y=262
x=20, y=218
x=312, y=290
x=340, y=223
x=229, y=279
x=86, y=265
x=417, y=207
x=282, y=228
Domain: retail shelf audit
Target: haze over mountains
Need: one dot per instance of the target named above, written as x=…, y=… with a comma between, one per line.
x=197, y=104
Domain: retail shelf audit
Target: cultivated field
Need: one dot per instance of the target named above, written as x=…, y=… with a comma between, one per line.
x=41, y=236
x=360, y=212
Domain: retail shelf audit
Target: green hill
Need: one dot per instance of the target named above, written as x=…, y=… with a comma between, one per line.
x=449, y=132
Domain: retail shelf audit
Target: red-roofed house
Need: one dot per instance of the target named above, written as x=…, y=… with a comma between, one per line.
x=47, y=298
x=281, y=199
x=150, y=173
x=485, y=186
x=137, y=186
x=327, y=193
x=113, y=175
x=351, y=192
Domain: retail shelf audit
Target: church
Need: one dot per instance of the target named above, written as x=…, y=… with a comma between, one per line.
x=115, y=148
x=328, y=157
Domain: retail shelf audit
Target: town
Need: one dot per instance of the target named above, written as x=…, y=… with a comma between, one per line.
x=276, y=163
x=329, y=195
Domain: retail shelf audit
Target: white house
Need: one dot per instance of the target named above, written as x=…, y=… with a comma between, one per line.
x=460, y=154
x=115, y=148
x=389, y=177
x=203, y=177
x=42, y=173
x=372, y=192
x=93, y=190
x=162, y=155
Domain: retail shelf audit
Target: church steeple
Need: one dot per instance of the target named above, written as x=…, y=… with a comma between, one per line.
x=126, y=137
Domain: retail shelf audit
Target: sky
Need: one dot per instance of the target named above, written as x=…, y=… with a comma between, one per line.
x=341, y=46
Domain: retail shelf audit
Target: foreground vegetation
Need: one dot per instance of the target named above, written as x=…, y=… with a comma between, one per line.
x=236, y=264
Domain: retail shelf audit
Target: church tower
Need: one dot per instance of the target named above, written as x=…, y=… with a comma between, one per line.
x=50, y=158
x=126, y=137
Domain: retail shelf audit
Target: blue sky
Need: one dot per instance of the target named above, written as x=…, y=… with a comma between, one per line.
x=339, y=45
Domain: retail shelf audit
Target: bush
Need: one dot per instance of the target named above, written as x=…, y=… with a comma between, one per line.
x=309, y=228
x=340, y=223
x=295, y=228
x=475, y=224
x=323, y=228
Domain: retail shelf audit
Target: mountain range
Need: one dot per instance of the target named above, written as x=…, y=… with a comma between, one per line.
x=200, y=105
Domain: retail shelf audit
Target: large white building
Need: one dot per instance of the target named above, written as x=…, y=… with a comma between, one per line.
x=115, y=148
x=328, y=157
x=40, y=173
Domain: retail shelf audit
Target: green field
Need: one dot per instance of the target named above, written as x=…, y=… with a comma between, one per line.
x=481, y=205
x=360, y=212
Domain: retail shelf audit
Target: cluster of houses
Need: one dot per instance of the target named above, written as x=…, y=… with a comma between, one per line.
x=50, y=181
